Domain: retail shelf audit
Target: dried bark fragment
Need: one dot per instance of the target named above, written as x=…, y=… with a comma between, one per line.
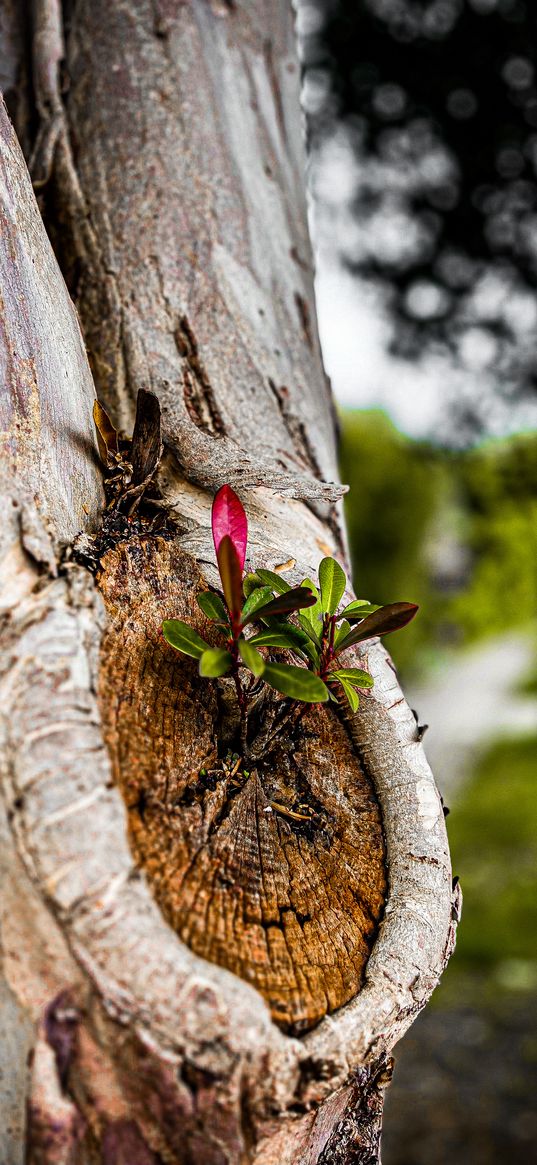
x=45, y=483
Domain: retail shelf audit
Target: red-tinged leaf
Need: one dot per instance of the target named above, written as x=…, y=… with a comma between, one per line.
x=231, y=575
x=391, y=617
x=229, y=520
x=292, y=600
x=257, y=598
x=358, y=610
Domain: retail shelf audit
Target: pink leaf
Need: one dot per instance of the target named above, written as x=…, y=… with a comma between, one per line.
x=229, y=519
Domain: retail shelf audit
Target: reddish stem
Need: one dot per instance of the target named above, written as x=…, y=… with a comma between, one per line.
x=242, y=697
x=327, y=645
x=332, y=634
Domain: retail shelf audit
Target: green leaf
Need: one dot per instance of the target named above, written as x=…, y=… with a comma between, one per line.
x=215, y=662
x=231, y=575
x=251, y=657
x=358, y=610
x=212, y=606
x=310, y=631
x=389, y=618
x=289, y=637
x=354, y=675
x=250, y=583
x=292, y=600
x=183, y=638
x=341, y=632
x=281, y=635
x=258, y=598
x=309, y=619
x=274, y=639
x=352, y=696
x=333, y=580
x=312, y=652
x=274, y=581
x=297, y=682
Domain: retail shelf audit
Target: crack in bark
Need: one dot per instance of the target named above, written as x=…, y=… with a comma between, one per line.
x=268, y=56
x=199, y=396
x=355, y=1140
x=304, y=316
x=296, y=428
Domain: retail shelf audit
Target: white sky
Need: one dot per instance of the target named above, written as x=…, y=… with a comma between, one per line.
x=354, y=339
x=416, y=395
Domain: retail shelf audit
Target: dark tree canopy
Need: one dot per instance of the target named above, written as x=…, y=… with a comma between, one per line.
x=438, y=100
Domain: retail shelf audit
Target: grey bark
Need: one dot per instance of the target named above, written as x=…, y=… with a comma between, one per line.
x=173, y=179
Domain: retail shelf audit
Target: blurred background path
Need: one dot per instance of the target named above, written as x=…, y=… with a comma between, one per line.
x=477, y=693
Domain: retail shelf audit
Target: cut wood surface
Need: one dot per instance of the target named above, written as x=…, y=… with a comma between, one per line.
x=167, y=942
x=272, y=868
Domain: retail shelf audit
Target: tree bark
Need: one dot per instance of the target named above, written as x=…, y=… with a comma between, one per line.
x=188, y=976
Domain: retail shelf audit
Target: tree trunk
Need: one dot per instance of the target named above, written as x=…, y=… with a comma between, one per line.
x=190, y=974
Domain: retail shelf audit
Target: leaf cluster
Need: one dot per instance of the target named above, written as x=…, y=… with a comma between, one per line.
x=261, y=611
x=325, y=631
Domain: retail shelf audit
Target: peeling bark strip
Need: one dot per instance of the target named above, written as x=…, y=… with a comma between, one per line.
x=170, y=170
x=43, y=484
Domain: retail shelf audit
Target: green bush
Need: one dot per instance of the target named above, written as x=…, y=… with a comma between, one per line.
x=493, y=840
x=394, y=487
x=455, y=532
x=498, y=488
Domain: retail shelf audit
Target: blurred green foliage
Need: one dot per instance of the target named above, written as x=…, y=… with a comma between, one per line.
x=493, y=841
x=528, y=687
x=455, y=532
x=496, y=814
